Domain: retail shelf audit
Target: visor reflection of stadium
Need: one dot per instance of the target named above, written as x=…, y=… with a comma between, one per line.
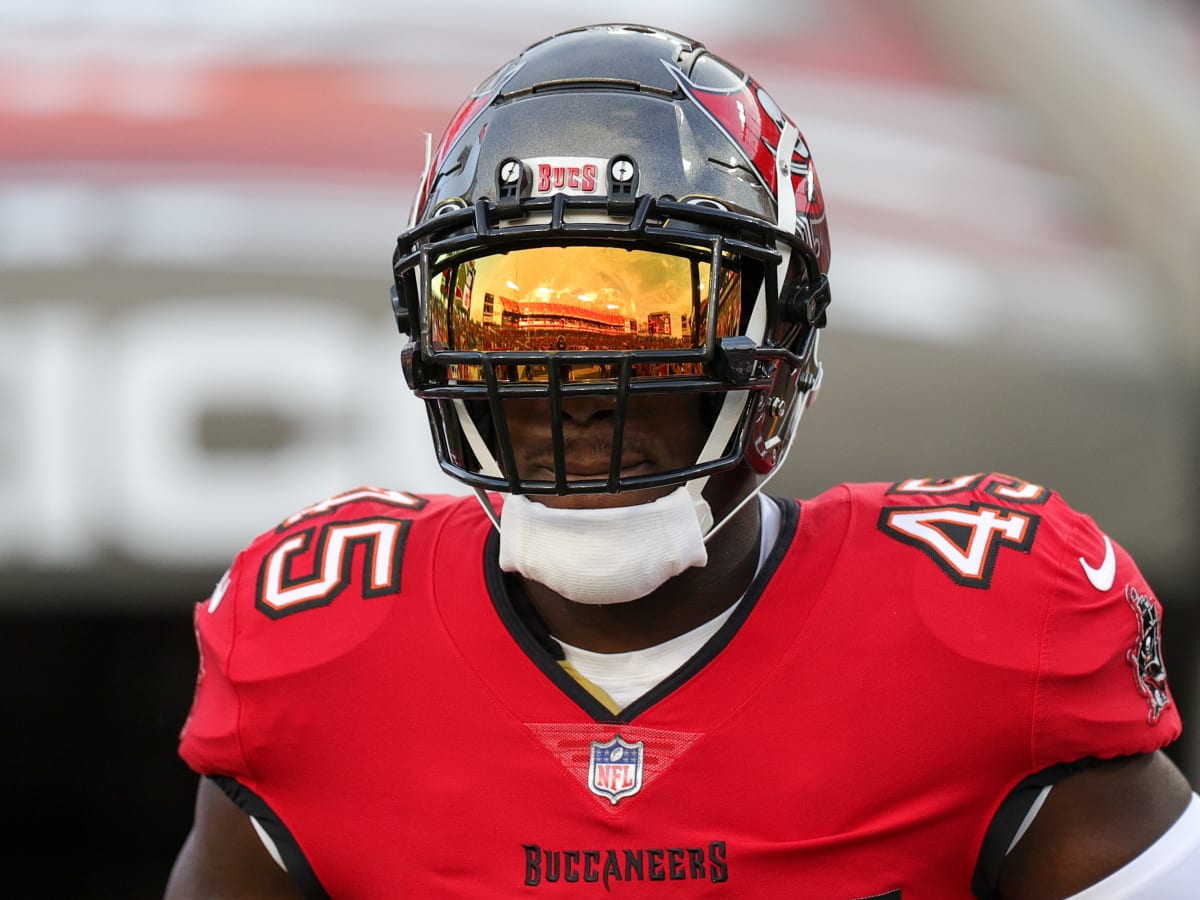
x=579, y=298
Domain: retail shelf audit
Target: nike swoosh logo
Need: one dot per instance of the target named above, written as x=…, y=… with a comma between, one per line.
x=1102, y=576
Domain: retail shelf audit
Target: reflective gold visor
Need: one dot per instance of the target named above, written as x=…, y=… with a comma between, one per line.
x=559, y=299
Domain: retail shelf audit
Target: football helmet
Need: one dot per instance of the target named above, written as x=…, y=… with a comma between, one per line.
x=614, y=212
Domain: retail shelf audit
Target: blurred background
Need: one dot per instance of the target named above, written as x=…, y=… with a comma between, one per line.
x=198, y=204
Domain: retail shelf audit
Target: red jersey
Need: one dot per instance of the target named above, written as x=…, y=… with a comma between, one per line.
x=906, y=656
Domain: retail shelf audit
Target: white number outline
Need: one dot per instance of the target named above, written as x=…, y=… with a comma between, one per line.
x=990, y=528
x=282, y=592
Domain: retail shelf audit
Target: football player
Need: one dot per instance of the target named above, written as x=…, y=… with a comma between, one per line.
x=621, y=667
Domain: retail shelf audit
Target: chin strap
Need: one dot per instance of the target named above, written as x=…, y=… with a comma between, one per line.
x=732, y=407
x=487, y=463
x=785, y=191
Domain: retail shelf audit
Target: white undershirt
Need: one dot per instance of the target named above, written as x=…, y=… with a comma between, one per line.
x=626, y=676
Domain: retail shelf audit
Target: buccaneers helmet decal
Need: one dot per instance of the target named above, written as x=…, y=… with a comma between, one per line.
x=744, y=110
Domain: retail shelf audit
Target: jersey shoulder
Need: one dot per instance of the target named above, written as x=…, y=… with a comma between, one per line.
x=305, y=597
x=334, y=558
x=309, y=557
x=989, y=555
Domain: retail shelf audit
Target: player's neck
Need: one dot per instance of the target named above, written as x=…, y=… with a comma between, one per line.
x=681, y=604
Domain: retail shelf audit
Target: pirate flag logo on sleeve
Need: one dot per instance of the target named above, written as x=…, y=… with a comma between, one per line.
x=1149, y=672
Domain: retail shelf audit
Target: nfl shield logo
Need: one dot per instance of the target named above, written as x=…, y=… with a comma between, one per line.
x=615, y=770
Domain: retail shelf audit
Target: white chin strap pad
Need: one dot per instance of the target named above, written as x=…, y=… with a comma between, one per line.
x=600, y=556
